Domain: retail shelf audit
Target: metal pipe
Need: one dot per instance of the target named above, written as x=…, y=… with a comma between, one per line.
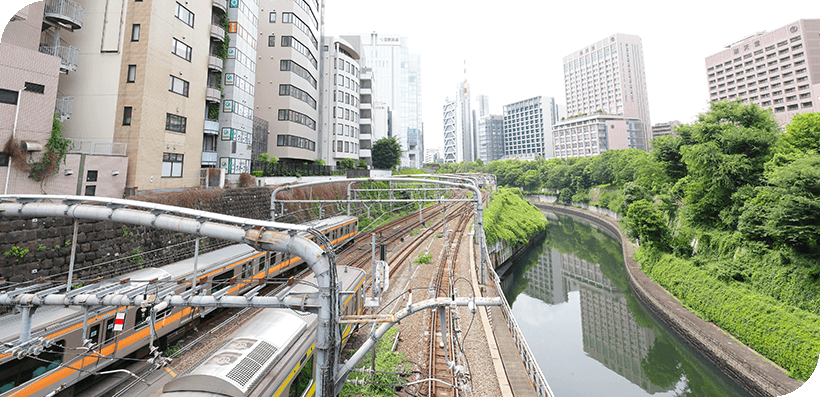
x=13, y=133
x=73, y=255
x=313, y=255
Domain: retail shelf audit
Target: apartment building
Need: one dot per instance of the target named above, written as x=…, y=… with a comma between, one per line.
x=778, y=70
x=527, y=128
x=287, y=78
x=662, y=129
x=35, y=61
x=339, y=130
x=608, y=76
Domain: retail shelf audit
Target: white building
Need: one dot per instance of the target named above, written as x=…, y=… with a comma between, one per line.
x=527, y=128
x=592, y=135
x=608, y=76
x=459, y=132
x=490, y=138
x=340, y=101
x=287, y=75
x=397, y=83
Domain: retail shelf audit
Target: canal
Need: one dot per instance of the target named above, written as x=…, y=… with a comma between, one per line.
x=591, y=337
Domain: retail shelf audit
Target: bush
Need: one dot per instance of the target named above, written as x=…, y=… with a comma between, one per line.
x=245, y=180
x=512, y=219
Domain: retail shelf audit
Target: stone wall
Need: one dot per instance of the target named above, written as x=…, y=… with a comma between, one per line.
x=107, y=248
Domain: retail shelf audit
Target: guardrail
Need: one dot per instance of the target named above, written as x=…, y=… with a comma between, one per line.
x=539, y=381
x=83, y=146
x=68, y=55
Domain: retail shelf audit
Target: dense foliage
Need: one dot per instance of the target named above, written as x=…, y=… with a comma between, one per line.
x=389, y=366
x=727, y=213
x=386, y=153
x=512, y=219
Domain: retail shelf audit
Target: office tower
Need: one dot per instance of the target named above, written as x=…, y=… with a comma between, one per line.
x=339, y=107
x=482, y=105
x=459, y=137
x=778, y=70
x=288, y=75
x=662, y=129
x=397, y=82
x=527, y=127
x=490, y=138
x=608, y=77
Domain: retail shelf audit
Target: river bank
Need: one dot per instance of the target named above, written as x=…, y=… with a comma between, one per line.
x=756, y=374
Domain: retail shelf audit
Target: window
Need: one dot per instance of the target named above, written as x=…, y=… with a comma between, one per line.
x=135, y=32
x=91, y=190
x=272, y=17
x=181, y=50
x=91, y=176
x=184, y=15
x=272, y=40
x=132, y=74
x=175, y=123
x=4, y=159
x=35, y=88
x=178, y=86
x=172, y=165
x=126, y=115
x=8, y=96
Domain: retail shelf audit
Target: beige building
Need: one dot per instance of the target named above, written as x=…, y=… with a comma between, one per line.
x=778, y=70
x=287, y=90
x=588, y=136
x=662, y=129
x=34, y=60
x=143, y=83
x=609, y=77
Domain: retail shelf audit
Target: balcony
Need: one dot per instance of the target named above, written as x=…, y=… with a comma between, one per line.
x=365, y=122
x=215, y=63
x=365, y=137
x=68, y=56
x=211, y=127
x=65, y=13
x=217, y=32
x=85, y=146
x=365, y=91
x=363, y=105
x=209, y=158
x=213, y=95
x=221, y=4
x=364, y=153
x=64, y=106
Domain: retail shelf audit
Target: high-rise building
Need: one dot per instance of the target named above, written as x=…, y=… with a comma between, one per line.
x=490, y=138
x=482, y=105
x=452, y=138
x=340, y=106
x=288, y=75
x=778, y=70
x=527, y=128
x=608, y=77
x=397, y=82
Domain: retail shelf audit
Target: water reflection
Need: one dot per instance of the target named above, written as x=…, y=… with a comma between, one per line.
x=571, y=297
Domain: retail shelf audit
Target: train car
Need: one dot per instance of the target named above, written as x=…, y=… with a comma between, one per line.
x=69, y=360
x=272, y=354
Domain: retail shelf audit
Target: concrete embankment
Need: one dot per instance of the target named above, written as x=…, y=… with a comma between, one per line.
x=751, y=371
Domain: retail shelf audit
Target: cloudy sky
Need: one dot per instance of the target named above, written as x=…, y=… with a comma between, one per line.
x=514, y=48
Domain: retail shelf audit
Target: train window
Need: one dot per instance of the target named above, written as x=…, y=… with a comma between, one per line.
x=244, y=269
x=109, y=329
x=16, y=372
x=221, y=281
x=262, y=260
x=94, y=333
x=304, y=380
x=140, y=318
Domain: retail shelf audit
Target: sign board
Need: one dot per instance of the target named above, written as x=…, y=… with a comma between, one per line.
x=119, y=322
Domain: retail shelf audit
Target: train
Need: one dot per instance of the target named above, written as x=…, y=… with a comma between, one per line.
x=68, y=360
x=271, y=355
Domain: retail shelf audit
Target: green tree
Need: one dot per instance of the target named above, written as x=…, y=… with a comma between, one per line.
x=347, y=164
x=730, y=145
x=529, y=180
x=361, y=164
x=647, y=224
x=386, y=153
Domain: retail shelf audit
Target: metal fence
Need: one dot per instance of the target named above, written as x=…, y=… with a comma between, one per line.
x=84, y=146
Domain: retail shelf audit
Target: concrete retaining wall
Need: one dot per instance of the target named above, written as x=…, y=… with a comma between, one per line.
x=108, y=248
x=754, y=373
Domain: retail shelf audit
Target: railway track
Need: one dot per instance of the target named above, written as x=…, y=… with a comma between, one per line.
x=441, y=348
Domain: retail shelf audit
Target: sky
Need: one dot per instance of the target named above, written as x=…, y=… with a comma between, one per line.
x=514, y=49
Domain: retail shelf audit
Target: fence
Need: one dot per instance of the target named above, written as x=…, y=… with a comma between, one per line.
x=293, y=169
